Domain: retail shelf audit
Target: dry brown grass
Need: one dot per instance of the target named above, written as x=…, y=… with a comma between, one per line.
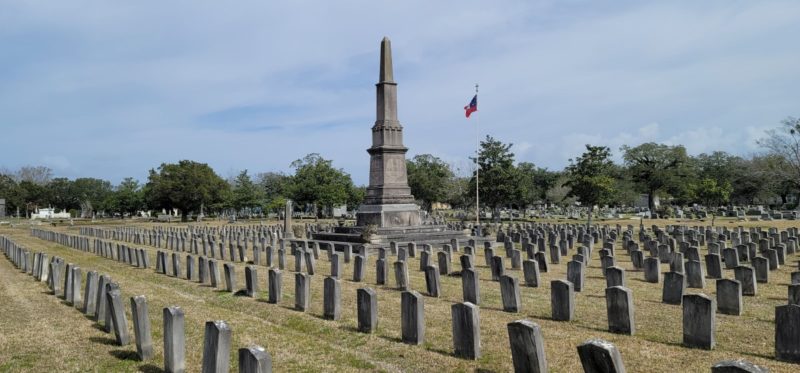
x=39, y=333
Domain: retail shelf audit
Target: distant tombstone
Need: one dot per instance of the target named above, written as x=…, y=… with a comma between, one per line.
x=747, y=277
x=615, y=276
x=599, y=356
x=470, y=284
x=619, y=304
x=381, y=272
x=230, y=277
x=444, y=263
x=761, y=267
x=575, y=274
x=530, y=269
x=401, y=275
x=794, y=294
x=509, y=291
x=251, y=281
x=713, y=266
x=729, y=297
x=274, y=284
x=527, y=347
x=367, y=304
x=694, y=275
x=562, y=298
x=359, y=268
x=497, y=268
x=432, y=282
x=332, y=294
x=699, y=321
x=652, y=270
x=302, y=291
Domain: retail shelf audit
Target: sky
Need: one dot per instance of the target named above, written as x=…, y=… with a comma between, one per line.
x=113, y=89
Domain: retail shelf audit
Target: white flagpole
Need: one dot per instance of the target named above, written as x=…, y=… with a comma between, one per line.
x=477, y=167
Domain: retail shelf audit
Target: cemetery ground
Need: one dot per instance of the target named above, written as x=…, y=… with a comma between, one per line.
x=40, y=332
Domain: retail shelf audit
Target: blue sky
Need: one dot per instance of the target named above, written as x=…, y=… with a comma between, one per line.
x=112, y=89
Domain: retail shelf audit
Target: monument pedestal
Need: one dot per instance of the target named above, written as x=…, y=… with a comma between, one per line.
x=390, y=215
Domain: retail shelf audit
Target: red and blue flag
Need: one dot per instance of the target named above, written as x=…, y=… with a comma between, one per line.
x=472, y=107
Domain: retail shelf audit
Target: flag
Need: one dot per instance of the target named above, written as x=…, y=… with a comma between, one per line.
x=472, y=107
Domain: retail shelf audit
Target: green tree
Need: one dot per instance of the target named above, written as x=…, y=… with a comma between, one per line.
x=245, y=193
x=534, y=183
x=60, y=193
x=654, y=167
x=275, y=188
x=498, y=179
x=589, y=178
x=91, y=194
x=428, y=177
x=128, y=197
x=186, y=186
x=712, y=194
x=12, y=193
x=318, y=183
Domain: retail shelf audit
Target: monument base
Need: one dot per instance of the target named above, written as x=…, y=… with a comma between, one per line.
x=435, y=235
x=389, y=215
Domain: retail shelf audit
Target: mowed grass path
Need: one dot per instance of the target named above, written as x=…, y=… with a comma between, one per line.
x=40, y=332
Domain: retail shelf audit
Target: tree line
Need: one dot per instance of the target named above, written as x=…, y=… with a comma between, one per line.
x=590, y=179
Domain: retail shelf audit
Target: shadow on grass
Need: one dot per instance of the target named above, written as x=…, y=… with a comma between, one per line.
x=241, y=293
x=124, y=355
x=440, y=351
x=104, y=340
x=150, y=368
x=391, y=339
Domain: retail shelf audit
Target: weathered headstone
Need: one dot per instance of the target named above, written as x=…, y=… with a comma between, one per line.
x=729, y=297
x=302, y=291
x=562, y=298
x=466, y=330
x=432, y=281
x=699, y=321
x=254, y=359
x=619, y=304
x=787, y=333
x=527, y=347
x=674, y=287
x=412, y=317
x=470, y=284
x=174, y=340
x=141, y=328
x=251, y=281
x=367, y=304
x=274, y=285
x=599, y=356
x=509, y=292
x=216, y=347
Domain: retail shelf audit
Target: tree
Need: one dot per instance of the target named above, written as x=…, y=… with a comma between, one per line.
x=534, y=182
x=186, y=185
x=498, y=180
x=712, y=194
x=318, y=183
x=91, y=194
x=559, y=192
x=654, y=166
x=39, y=175
x=245, y=193
x=60, y=193
x=589, y=177
x=275, y=187
x=11, y=192
x=785, y=142
x=32, y=195
x=128, y=197
x=428, y=177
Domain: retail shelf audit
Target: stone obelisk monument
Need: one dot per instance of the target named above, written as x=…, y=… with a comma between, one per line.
x=388, y=202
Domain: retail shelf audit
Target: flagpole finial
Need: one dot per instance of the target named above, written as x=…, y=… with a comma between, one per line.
x=476, y=88
x=386, y=74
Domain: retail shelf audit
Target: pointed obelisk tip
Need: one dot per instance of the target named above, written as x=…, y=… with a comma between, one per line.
x=386, y=61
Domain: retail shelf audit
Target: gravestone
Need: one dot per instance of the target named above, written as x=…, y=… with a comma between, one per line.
x=274, y=285
x=747, y=277
x=412, y=317
x=470, y=284
x=216, y=347
x=530, y=269
x=230, y=277
x=787, y=333
x=90, y=294
x=302, y=291
x=674, y=287
x=599, y=356
x=615, y=276
x=254, y=359
x=251, y=281
x=737, y=366
x=367, y=304
x=652, y=270
x=359, y=268
x=141, y=328
x=694, y=275
x=332, y=294
x=713, y=266
x=619, y=304
x=509, y=291
x=466, y=330
x=562, y=299
x=699, y=321
x=527, y=347
x=729, y=297
x=174, y=340
x=381, y=272
x=401, y=275
x=432, y=282
x=575, y=274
